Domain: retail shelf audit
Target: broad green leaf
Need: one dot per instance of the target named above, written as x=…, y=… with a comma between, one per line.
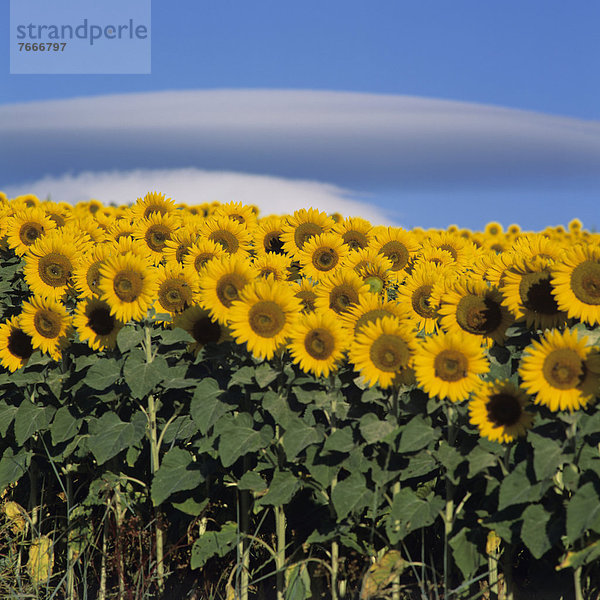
x=583, y=512
x=214, y=543
x=533, y=532
x=297, y=582
x=252, y=481
x=205, y=407
x=547, y=456
x=373, y=429
x=238, y=436
x=278, y=408
x=179, y=429
x=7, y=414
x=242, y=377
x=465, y=553
x=516, y=488
x=175, y=336
x=30, y=419
x=480, y=459
x=350, y=495
x=64, y=426
x=449, y=456
x=109, y=435
x=420, y=464
x=129, y=337
x=13, y=467
x=102, y=374
x=381, y=574
x=143, y=377
x=265, y=374
x=409, y=512
x=298, y=437
x=340, y=440
x=574, y=560
x=176, y=473
x=191, y=507
x=282, y=489
x=417, y=434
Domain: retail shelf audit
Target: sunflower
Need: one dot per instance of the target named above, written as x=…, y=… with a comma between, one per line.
x=201, y=253
x=535, y=245
x=304, y=290
x=238, y=212
x=58, y=212
x=369, y=308
x=562, y=370
x=266, y=236
x=25, y=201
x=86, y=275
x=356, y=232
x=436, y=256
x=95, y=324
x=340, y=291
x=25, y=227
x=121, y=228
x=263, y=316
x=152, y=203
x=180, y=244
x=382, y=351
x=576, y=283
x=322, y=254
x=318, y=342
x=155, y=230
x=470, y=305
x=374, y=268
x=48, y=324
x=50, y=264
x=176, y=289
x=461, y=248
x=397, y=245
x=448, y=365
x=221, y=282
x=493, y=229
x=84, y=227
x=527, y=291
x=301, y=226
x=276, y=265
x=231, y=235
x=497, y=409
x=199, y=324
x=128, y=284
x=15, y=345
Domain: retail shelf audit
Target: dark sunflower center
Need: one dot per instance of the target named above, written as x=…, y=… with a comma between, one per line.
x=154, y=208
x=421, y=302
x=47, y=323
x=19, y=344
x=266, y=318
x=182, y=250
x=304, y=232
x=30, y=232
x=370, y=317
x=93, y=276
x=54, y=269
x=156, y=237
x=503, y=410
x=206, y=331
x=201, y=259
x=396, y=253
x=324, y=259
x=228, y=288
x=389, y=353
x=563, y=369
x=319, y=343
x=585, y=282
x=57, y=218
x=308, y=300
x=272, y=243
x=226, y=239
x=355, y=240
x=478, y=315
x=342, y=297
x=450, y=365
x=100, y=321
x=535, y=290
x=128, y=285
x=449, y=248
x=174, y=295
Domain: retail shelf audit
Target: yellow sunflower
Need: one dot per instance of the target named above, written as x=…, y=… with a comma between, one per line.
x=86, y=275
x=461, y=248
x=263, y=316
x=576, y=283
x=238, y=212
x=472, y=306
x=382, y=351
x=340, y=291
x=155, y=230
x=200, y=253
x=25, y=227
x=304, y=290
x=176, y=289
x=448, y=365
x=535, y=246
x=497, y=409
x=180, y=244
x=301, y=226
x=266, y=236
x=397, y=245
x=95, y=324
x=493, y=229
x=231, y=235
x=369, y=308
x=58, y=212
x=121, y=228
x=128, y=284
x=356, y=232
x=322, y=254
x=48, y=324
x=276, y=265
x=199, y=324
x=15, y=345
x=373, y=268
x=561, y=370
x=318, y=342
x=221, y=282
x=152, y=203
x=50, y=264
x=84, y=227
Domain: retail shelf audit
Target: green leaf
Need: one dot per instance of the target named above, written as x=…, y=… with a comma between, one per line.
x=278, y=408
x=409, y=512
x=252, y=481
x=583, y=512
x=129, y=337
x=297, y=582
x=533, y=532
x=381, y=574
x=30, y=419
x=449, y=456
x=13, y=467
x=574, y=560
x=109, y=435
x=547, y=455
x=465, y=553
x=64, y=426
x=7, y=414
x=206, y=408
x=373, y=430
x=420, y=464
x=417, y=434
x=339, y=441
x=480, y=459
x=242, y=377
x=175, y=336
x=103, y=374
x=191, y=507
x=180, y=428
x=176, y=473
x=238, y=437
x=299, y=437
x=213, y=543
x=282, y=489
x=350, y=495
x=516, y=488
x=265, y=374
x=142, y=377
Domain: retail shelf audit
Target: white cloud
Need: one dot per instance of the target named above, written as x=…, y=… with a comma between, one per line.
x=273, y=195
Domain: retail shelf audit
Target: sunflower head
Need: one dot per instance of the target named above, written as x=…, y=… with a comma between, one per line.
x=16, y=346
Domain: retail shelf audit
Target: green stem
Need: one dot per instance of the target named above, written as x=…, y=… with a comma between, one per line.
x=449, y=511
x=577, y=582
x=396, y=487
x=280, y=552
x=70, y=561
x=335, y=548
x=243, y=550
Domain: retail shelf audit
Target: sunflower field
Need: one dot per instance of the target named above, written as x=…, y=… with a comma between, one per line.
x=201, y=402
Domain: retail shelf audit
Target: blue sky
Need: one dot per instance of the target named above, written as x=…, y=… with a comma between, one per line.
x=537, y=163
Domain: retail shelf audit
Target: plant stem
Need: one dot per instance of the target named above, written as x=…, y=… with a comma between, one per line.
x=396, y=486
x=335, y=549
x=70, y=573
x=577, y=582
x=449, y=512
x=243, y=550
